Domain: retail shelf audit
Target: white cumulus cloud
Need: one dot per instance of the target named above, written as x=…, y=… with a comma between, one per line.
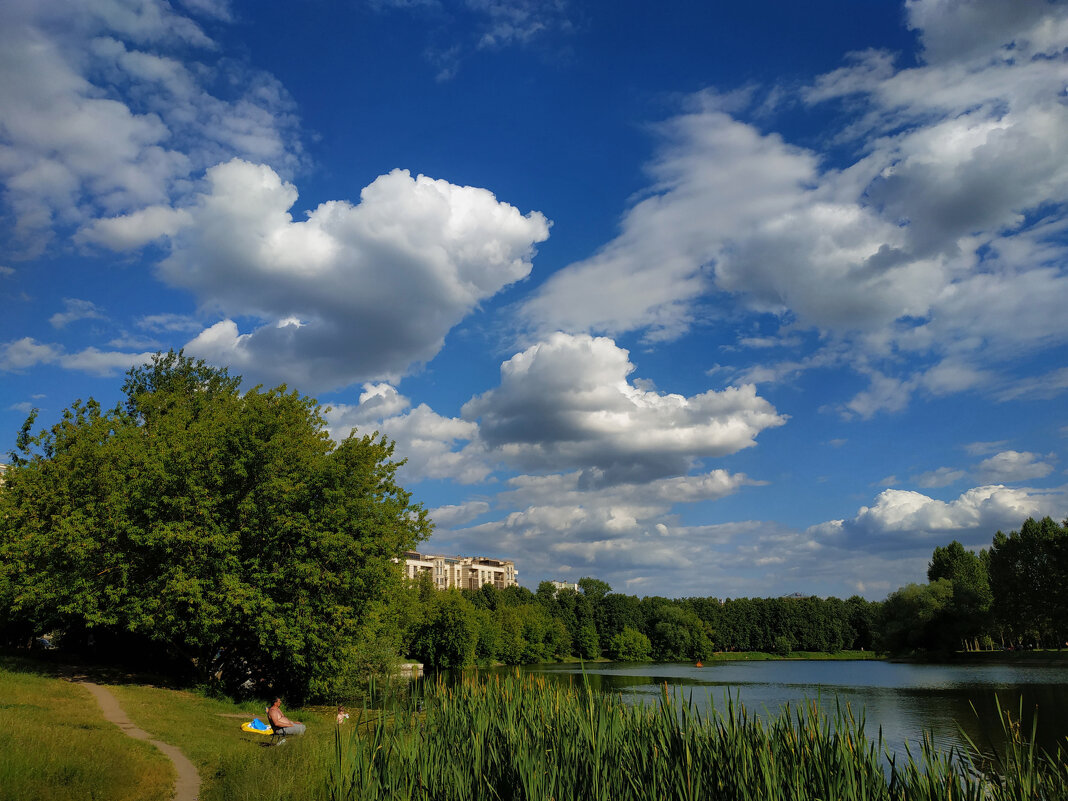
x=1011, y=466
x=901, y=519
x=98, y=118
x=942, y=477
x=136, y=229
x=436, y=447
x=458, y=514
x=76, y=309
x=568, y=521
x=354, y=291
x=938, y=240
x=567, y=402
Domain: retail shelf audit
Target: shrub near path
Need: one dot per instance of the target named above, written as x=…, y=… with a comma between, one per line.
x=58, y=746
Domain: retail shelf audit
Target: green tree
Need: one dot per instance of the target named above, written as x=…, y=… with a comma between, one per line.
x=862, y=615
x=616, y=611
x=967, y=617
x=1028, y=573
x=630, y=645
x=546, y=596
x=677, y=634
x=448, y=635
x=512, y=645
x=488, y=629
x=221, y=527
x=594, y=589
x=587, y=645
x=490, y=596
x=913, y=616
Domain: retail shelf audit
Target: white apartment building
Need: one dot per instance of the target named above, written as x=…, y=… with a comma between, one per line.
x=462, y=572
x=565, y=585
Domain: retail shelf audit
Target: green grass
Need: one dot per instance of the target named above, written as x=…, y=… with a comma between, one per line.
x=507, y=738
x=1038, y=657
x=234, y=765
x=56, y=746
x=763, y=656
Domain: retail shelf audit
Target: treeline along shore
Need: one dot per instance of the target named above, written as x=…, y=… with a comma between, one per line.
x=454, y=628
x=1008, y=597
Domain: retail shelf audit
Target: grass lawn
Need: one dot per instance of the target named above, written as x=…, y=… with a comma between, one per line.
x=234, y=765
x=761, y=656
x=1049, y=656
x=57, y=746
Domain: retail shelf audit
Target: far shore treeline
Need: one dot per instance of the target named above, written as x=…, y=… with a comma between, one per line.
x=219, y=536
x=1009, y=596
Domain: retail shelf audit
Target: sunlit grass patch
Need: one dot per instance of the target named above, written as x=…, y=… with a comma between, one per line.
x=56, y=745
x=234, y=765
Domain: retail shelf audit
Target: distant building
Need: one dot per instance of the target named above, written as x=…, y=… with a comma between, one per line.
x=565, y=585
x=462, y=572
x=3, y=469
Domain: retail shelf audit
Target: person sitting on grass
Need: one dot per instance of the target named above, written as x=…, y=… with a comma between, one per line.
x=342, y=715
x=280, y=723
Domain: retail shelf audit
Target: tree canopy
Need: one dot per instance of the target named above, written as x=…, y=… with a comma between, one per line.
x=1012, y=593
x=220, y=528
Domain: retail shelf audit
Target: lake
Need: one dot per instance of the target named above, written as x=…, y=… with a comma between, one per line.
x=904, y=699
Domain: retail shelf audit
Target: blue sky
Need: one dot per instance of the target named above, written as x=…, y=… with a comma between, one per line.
x=699, y=299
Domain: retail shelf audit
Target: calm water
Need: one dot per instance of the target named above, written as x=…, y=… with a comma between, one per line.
x=904, y=699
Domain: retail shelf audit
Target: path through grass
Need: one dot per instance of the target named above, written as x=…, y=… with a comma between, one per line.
x=57, y=746
x=233, y=765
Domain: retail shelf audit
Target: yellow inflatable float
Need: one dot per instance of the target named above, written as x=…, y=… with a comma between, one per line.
x=252, y=728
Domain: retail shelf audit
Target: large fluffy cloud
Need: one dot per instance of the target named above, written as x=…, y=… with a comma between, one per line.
x=632, y=536
x=98, y=117
x=353, y=292
x=567, y=402
x=654, y=552
x=901, y=519
x=939, y=239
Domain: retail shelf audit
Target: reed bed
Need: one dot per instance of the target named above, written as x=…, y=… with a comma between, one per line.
x=525, y=738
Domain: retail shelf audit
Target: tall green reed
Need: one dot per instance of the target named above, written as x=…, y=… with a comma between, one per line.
x=512, y=739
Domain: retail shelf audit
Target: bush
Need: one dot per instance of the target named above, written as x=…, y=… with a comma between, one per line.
x=630, y=645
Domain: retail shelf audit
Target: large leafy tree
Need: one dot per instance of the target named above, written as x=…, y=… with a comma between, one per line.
x=223, y=527
x=1028, y=575
x=968, y=613
x=913, y=617
x=447, y=635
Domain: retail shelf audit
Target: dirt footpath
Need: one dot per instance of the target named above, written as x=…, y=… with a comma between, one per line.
x=187, y=788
